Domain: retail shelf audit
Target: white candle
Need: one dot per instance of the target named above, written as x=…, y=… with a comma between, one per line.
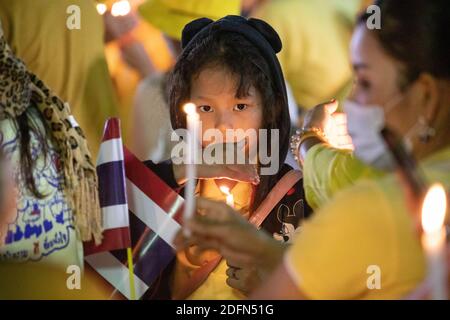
x=230, y=198
x=192, y=123
x=434, y=240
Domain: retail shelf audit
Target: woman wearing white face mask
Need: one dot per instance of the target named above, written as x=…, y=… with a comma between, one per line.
x=403, y=83
x=410, y=108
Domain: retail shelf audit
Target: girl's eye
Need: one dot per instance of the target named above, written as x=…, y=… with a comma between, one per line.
x=240, y=107
x=206, y=109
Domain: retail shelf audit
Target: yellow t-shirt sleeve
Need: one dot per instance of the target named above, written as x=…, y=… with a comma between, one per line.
x=331, y=254
x=327, y=170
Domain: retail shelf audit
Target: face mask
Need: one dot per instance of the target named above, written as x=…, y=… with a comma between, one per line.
x=364, y=124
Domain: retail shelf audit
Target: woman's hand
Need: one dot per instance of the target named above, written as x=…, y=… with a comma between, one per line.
x=319, y=116
x=252, y=253
x=316, y=120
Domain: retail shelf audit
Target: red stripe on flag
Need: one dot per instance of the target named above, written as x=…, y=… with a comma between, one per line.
x=113, y=239
x=112, y=129
x=152, y=185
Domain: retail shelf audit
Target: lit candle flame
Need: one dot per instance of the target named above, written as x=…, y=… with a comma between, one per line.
x=120, y=8
x=230, y=199
x=434, y=208
x=101, y=8
x=225, y=190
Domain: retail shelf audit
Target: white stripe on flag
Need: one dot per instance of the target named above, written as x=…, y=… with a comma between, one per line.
x=110, y=150
x=116, y=273
x=115, y=216
x=151, y=214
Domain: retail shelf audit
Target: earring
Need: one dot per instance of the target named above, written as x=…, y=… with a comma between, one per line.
x=426, y=132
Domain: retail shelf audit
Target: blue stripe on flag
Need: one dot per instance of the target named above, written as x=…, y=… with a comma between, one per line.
x=155, y=254
x=111, y=183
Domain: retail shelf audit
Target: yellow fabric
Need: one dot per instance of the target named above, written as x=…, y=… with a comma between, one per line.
x=327, y=170
x=315, y=35
x=214, y=287
x=71, y=62
x=368, y=224
x=170, y=16
x=37, y=281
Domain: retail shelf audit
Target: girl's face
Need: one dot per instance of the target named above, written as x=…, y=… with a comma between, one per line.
x=214, y=93
x=373, y=87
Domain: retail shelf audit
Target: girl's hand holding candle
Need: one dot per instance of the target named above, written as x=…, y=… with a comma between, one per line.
x=192, y=121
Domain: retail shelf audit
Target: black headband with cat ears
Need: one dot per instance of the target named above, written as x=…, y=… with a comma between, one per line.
x=194, y=27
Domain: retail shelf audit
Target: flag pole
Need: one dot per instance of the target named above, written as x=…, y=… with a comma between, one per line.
x=131, y=273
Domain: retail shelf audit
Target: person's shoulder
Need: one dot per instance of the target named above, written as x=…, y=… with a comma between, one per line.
x=365, y=203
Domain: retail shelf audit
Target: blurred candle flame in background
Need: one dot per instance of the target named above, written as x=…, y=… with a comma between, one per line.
x=120, y=8
x=434, y=209
x=101, y=8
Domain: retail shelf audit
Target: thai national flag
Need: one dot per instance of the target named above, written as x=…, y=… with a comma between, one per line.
x=154, y=218
x=112, y=195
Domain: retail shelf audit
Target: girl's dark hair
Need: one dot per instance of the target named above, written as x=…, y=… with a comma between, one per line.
x=240, y=57
x=30, y=123
x=415, y=32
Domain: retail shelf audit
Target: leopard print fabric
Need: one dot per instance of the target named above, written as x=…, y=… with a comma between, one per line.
x=14, y=83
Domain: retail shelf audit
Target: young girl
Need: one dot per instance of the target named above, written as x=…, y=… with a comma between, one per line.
x=229, y=69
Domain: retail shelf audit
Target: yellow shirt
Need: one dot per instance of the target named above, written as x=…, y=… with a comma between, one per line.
x=39, y=281
x=315, y=35
x=71, y=62
x=363, y=226
x=215, y=286
x=327, y=170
